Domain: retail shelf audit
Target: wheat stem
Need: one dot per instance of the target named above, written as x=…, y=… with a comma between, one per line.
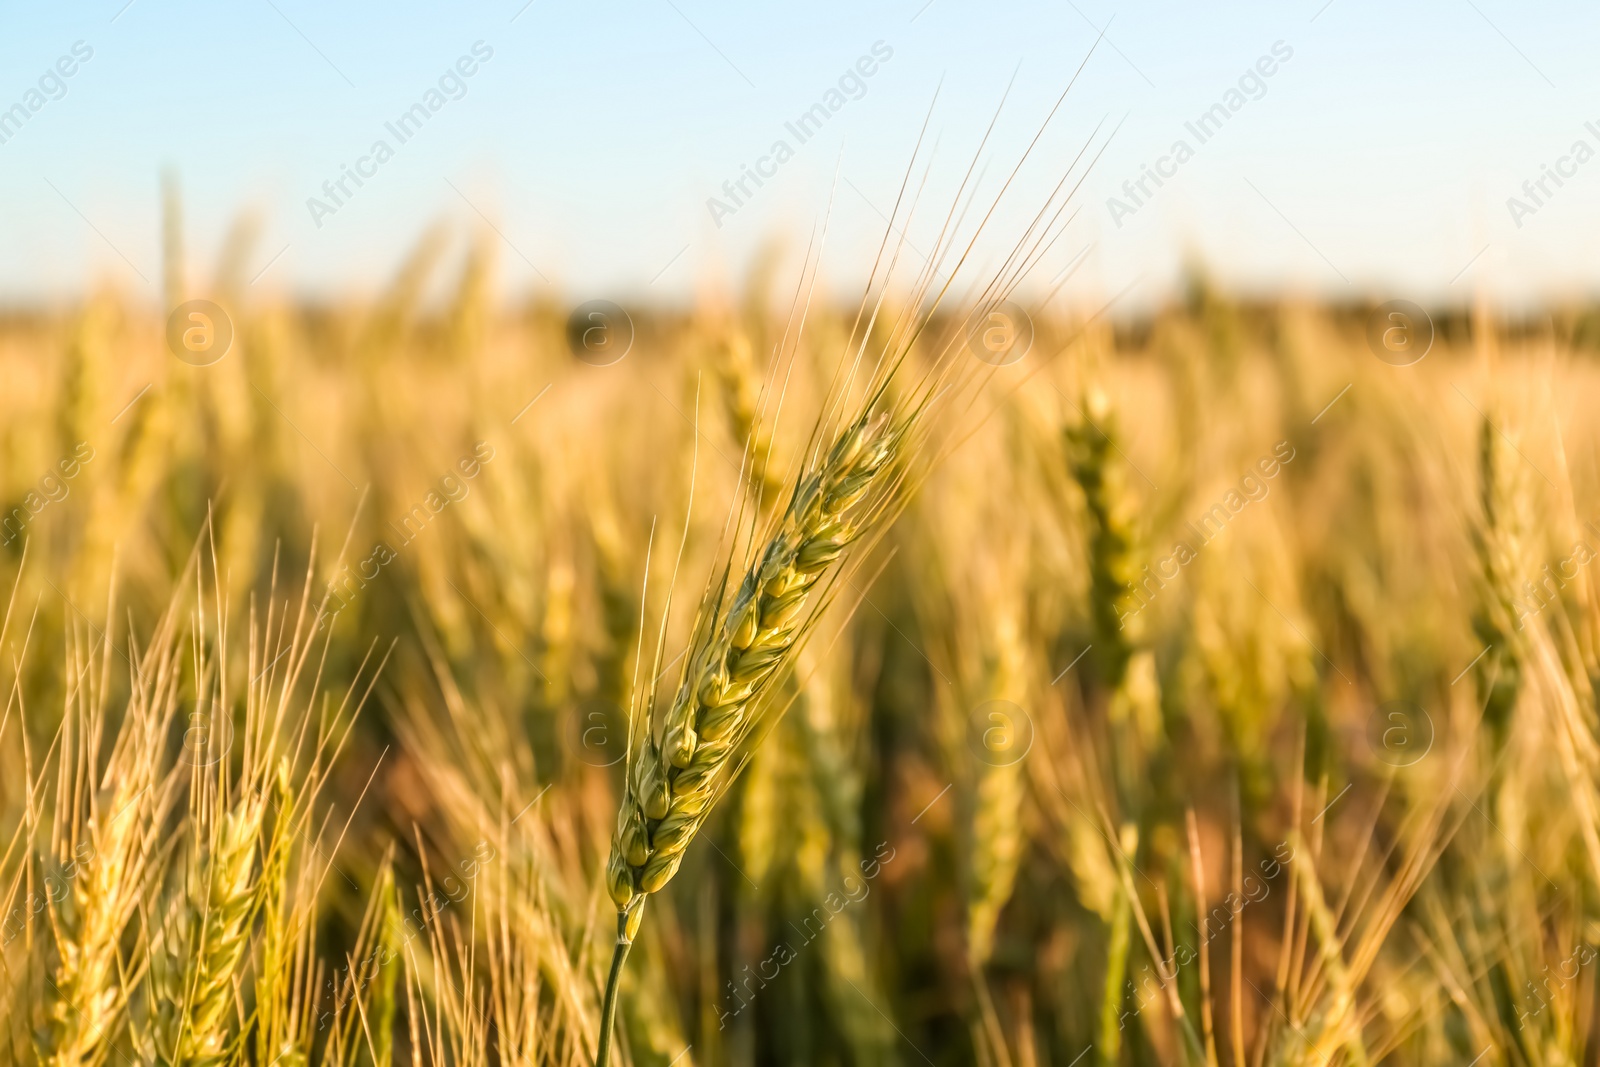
x=608, y=1007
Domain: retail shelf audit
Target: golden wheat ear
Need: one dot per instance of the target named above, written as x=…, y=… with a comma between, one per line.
x=106, y=845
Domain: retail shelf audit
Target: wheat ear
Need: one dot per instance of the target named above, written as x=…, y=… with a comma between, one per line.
x=219, y=918
x=1503, y=560
x=110, y=853
x=733, y=659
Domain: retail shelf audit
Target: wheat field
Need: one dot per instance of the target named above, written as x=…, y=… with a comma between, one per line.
x=1199, y=688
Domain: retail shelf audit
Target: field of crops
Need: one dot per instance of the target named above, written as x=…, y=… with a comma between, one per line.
x=1214, y=686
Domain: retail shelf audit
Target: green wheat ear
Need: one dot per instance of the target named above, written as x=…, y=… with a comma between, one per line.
x=1503, y=561
x=1116, y=609
x=203, y=943
x=111, y=851
x=674, y=782
x=738, y=648
x=273, y=971
x=1092, y=456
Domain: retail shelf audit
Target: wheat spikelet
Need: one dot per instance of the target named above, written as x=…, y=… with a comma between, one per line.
x=741, y=398
x=88, y=1002
x=111, y=851
x=208, y=952
x=384, y=1003
x=742, y=639
x=1115, y=610
x=274, y=966
x=1503, y=559
x=673, y=783
x=996, y=825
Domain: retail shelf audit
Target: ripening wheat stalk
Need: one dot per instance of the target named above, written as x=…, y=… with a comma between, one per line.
x=747, y=634
x=854, y=477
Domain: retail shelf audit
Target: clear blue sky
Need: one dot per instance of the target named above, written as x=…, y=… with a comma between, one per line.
x=1377, y=159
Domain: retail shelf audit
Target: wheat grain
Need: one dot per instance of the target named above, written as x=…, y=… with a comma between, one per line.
x=673, y=783
x=749, y=634
x=1503, y=557
x=216, y=920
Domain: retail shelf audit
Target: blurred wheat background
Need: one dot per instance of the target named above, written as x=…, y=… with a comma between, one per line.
x=1223, y=695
